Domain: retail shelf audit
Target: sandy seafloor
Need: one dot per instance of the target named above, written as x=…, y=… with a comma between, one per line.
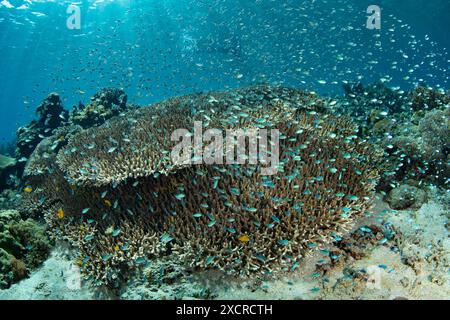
x=415, y=265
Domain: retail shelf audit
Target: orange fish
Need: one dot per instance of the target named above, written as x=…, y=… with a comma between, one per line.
x=60, y=213
x=244, y=238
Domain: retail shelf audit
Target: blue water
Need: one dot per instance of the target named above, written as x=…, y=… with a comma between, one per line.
x=155, y=49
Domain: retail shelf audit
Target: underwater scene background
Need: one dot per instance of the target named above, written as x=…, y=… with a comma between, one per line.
x=92, y=206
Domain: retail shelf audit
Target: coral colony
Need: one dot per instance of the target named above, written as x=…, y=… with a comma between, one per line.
x=121, y=200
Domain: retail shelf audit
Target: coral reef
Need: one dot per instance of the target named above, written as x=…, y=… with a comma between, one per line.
x=51, y=115
x=7, y=165
x=368, y=102
x=44, y=155
x=105, y=104
x=425, y=99
x=23, y=246
x=411, y=127
x=10, y=199
x=419, y=151
x=114, y=193
x=53, y=120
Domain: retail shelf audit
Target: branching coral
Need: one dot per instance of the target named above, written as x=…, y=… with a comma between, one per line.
x=139, y=143
x=115, y=193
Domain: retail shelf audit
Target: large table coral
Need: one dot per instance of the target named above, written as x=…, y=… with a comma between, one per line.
x=114, y=192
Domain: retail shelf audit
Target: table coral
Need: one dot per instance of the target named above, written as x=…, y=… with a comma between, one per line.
x=115, y=194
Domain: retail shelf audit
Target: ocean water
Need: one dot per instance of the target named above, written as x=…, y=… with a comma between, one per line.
x=154, y=50
x=158, y=49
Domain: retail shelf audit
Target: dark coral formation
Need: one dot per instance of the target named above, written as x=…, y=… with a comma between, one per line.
x=24, y=245
x=51, y=115
x=419, y=150
x=412, y=128
x=10, y=199
x=364, y=100
x=115, y=194
x=105, y=104
x=425, y=99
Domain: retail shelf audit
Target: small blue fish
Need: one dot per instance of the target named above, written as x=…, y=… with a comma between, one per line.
x=276, y=219
x=283, y=242
x=234, y=191
x=166, y=238
x=261, y=258
x=141, y=260
x=180, y=196
x=211, y=223
x=210, y=260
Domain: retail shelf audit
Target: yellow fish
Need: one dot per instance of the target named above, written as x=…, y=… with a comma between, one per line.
x=107, y=203
x=28, y=190
x=116, y=248
x=244, y=238
x=60, y=213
